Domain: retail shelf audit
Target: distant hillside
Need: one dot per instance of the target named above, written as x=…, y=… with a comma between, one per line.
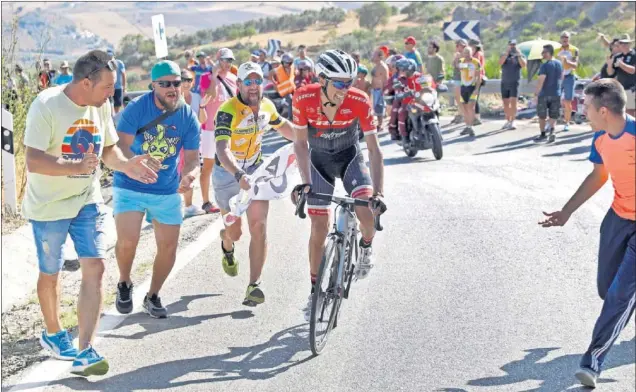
x=67, y=29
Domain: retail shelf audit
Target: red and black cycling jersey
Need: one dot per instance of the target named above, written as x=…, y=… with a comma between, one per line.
x=341, y=133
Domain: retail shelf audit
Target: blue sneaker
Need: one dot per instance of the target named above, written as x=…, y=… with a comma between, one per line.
x=59, y=345
x=89, y=363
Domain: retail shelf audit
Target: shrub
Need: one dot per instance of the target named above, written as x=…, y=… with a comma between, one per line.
x=565, y=24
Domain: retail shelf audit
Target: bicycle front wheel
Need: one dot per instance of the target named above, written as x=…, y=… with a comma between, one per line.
x=325, y=301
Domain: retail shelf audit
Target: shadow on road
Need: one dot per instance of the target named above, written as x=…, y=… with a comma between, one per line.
x=259, y=362
x=174, y=321
x=558, y=373
x=406, y=160
x=571, y=151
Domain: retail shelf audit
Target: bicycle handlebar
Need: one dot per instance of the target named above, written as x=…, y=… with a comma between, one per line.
x=342, y=200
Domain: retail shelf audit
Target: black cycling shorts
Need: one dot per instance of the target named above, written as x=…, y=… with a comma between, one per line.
x=466, y=92
x=510, y=90
x=347, y=165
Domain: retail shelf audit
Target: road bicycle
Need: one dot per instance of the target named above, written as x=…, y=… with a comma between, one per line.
x=336, y=268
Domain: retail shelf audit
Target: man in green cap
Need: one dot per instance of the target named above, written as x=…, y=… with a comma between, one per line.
x=160, y=124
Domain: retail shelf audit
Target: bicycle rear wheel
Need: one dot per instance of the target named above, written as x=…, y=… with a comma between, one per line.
x=325, y=301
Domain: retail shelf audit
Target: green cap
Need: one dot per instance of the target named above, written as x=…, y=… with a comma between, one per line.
x=165, y=68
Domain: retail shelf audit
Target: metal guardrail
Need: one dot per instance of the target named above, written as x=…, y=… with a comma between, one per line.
x=493, y=86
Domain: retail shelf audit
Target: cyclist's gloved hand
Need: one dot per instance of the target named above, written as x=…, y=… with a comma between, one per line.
x=306, y=188
x=376, y=203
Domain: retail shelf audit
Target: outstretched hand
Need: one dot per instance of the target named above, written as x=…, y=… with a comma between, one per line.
x=557, y=218
x=138, y=169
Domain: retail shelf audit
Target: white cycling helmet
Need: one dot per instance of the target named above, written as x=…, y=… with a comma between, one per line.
x=336, y=64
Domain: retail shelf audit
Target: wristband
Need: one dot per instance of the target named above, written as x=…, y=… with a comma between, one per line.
x=238, y=175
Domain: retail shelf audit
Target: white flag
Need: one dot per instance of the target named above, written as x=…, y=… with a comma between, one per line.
x=273, y=180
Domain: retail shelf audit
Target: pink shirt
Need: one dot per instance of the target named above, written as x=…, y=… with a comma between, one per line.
x=221, y=96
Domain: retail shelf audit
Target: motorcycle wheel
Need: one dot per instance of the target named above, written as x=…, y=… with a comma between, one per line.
x=438, y=152
x=410, y=152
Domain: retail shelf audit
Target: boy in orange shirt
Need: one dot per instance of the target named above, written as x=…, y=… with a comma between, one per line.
x=613, y=156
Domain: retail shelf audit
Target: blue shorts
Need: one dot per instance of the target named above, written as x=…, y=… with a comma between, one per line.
x=379, y=106
x=165, y=209
x=87, y=233
x=568, y=87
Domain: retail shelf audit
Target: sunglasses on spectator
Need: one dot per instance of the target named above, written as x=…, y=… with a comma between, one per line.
x=286, y=63
x=110, y=65
x=168, y=83
x=186, y=80
x=340, y=85
x=249, y=82
x=228, y=60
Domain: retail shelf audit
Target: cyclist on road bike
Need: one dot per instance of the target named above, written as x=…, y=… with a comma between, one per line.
x=326, y=116
x=240, y=124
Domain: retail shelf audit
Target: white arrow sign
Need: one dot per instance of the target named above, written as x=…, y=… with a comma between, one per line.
x=461, y=29
x=159, y=31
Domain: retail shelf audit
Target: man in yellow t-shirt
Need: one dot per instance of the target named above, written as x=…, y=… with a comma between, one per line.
x=68, y=129
x=470, y=71
x=240, y=125
x=569, y=57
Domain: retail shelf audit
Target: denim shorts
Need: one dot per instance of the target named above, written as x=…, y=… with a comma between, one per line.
x=87, y=233
x=379, y=106
x=165, y=209
x=568, y=87
x=225, y=185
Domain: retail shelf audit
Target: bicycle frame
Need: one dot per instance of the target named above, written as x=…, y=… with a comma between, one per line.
x=345, y=230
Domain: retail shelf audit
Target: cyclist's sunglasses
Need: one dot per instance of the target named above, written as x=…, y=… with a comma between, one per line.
x=167, y=83
x=110, y=65
x=340, y=85
x=249, y=82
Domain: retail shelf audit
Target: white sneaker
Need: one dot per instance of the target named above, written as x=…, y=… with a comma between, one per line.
x=307, y=309
x=364, y=265
x=506, y=126
x=193, y=211
x=512, y=126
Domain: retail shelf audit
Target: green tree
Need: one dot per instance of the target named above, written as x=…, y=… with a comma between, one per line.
x=374, y=14
x=250, y=31
x=565, y=24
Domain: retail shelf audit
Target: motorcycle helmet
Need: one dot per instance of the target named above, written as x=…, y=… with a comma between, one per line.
x=287, y=58
x=304, y=64
x=394, y=59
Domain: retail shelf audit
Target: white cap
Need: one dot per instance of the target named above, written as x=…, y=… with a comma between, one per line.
x=246, y=69
x=226, y=53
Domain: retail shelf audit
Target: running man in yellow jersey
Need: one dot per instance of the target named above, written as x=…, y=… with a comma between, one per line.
x=470, y=70
x=240, y=124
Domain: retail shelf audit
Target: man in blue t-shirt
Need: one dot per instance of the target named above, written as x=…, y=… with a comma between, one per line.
x=548, y=93
x=120, y=83
x=203, y=67
x=160, y=201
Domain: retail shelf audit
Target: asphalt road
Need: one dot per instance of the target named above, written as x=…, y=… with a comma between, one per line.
x=468, y=292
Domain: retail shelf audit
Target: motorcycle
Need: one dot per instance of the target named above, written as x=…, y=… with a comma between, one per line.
x=283, y=104
x=422, y=123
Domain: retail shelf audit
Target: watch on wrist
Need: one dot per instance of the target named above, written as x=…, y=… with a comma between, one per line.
x=238, y=175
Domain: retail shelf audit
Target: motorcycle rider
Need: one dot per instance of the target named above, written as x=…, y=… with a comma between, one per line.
x=283, y=78
x=304, y=74
x=411, y=81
